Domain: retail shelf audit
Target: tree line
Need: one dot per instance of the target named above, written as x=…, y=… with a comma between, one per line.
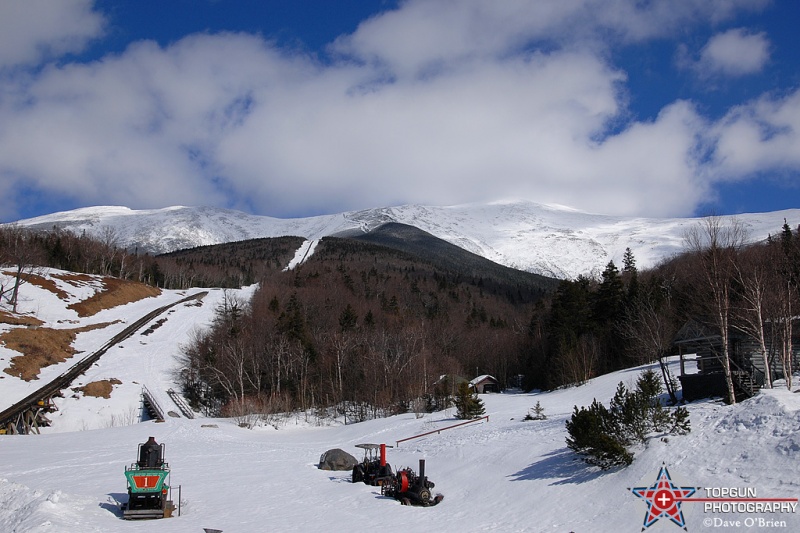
x=590, y=327
x=230, y=265
x=374, y=330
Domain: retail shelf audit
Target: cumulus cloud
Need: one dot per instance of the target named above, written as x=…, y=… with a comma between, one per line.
x=456, y=137
x=31, y=30
x=437, y=102
x=427, y=36
x=134, y=129
x=734, y=53
x=760, y=136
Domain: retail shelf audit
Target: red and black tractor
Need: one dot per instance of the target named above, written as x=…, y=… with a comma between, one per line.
x=405, y=486
x=411, y=488
x=373, y=469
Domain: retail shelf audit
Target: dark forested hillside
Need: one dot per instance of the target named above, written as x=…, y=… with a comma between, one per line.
x=466, y=265
x=232, y=264
x=363, y=324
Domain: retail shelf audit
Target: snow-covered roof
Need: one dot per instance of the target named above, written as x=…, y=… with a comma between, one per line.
x=482, y=378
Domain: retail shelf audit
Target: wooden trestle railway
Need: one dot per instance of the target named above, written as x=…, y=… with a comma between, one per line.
x=30, y=413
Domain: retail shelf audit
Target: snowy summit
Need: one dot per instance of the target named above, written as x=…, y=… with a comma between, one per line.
x=550, y=240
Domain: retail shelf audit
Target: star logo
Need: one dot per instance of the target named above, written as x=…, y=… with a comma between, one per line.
x=663, y=499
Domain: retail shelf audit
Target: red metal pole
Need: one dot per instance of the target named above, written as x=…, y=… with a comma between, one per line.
x=442, y=429
x=383, y=454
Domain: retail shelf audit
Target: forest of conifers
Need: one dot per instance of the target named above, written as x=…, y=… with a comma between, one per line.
x=374, y=329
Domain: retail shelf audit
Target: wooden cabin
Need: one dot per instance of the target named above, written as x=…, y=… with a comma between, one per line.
x=747, y=364
x=484, y=384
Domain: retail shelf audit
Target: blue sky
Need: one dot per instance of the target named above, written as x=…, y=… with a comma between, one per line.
x=295, y=108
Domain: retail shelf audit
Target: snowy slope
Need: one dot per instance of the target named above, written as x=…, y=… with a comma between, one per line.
x=502, y=475
x=550, y=240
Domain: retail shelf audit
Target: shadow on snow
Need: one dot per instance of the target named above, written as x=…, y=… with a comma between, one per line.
x=563, y=466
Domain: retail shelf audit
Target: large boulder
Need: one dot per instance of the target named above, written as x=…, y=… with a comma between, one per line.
x=337, y=459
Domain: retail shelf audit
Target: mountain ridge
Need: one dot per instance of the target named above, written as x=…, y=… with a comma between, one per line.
x=550, y=240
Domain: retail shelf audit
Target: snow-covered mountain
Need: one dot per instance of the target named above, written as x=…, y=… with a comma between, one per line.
x=550, y=240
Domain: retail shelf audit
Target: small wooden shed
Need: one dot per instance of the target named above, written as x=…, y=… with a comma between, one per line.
x=485, y=383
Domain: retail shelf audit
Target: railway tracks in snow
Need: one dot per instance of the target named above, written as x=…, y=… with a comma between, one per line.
x=28, y=414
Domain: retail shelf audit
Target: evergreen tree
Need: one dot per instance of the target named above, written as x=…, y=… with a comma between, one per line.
x=593, y=433
x=628, y=261
x=536, y=413
x=790, y=245
x=369, y=319
x=602, y=435
x=608, y=311
x=348, y=319
x=609, y=300
x=630, y=274
x=292, y=323
x=570, y=315
x=468, y=405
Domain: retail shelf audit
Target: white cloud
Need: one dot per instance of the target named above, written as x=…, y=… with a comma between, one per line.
x=426, y=36
x=734, y=53
x=760, y=136
x=33, y=30
x=438, y=102
x=136, y=129
x=452, y=138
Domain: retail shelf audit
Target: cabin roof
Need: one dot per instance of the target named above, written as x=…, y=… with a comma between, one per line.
x=482, y=378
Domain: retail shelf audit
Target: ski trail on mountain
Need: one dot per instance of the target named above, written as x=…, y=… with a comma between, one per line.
x=305, y=251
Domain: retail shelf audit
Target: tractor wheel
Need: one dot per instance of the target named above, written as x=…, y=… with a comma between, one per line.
x=358, y=474
x=425, y=496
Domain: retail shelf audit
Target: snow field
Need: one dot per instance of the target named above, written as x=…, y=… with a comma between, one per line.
x=504, y=475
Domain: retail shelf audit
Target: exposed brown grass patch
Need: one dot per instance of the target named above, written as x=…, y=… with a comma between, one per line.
x=99, y=389
x=76, y=279
x=45, y=283
x=115, y=292
x=19, y=320
x=40, y=348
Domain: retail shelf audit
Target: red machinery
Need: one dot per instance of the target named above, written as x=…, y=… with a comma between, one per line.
x=412, y=489
x=373, y=470
x=405, y=486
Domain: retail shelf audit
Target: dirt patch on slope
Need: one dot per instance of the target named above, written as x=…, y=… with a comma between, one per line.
x=115, y=292
x=19, y=320
x=45, y=283
x=40, y=347
x=99, y=389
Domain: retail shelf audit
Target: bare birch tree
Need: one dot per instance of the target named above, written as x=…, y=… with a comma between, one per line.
x=17, y=251
x=716, y=245
x=650, y=330
x=787, y=297
x=754, y=280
